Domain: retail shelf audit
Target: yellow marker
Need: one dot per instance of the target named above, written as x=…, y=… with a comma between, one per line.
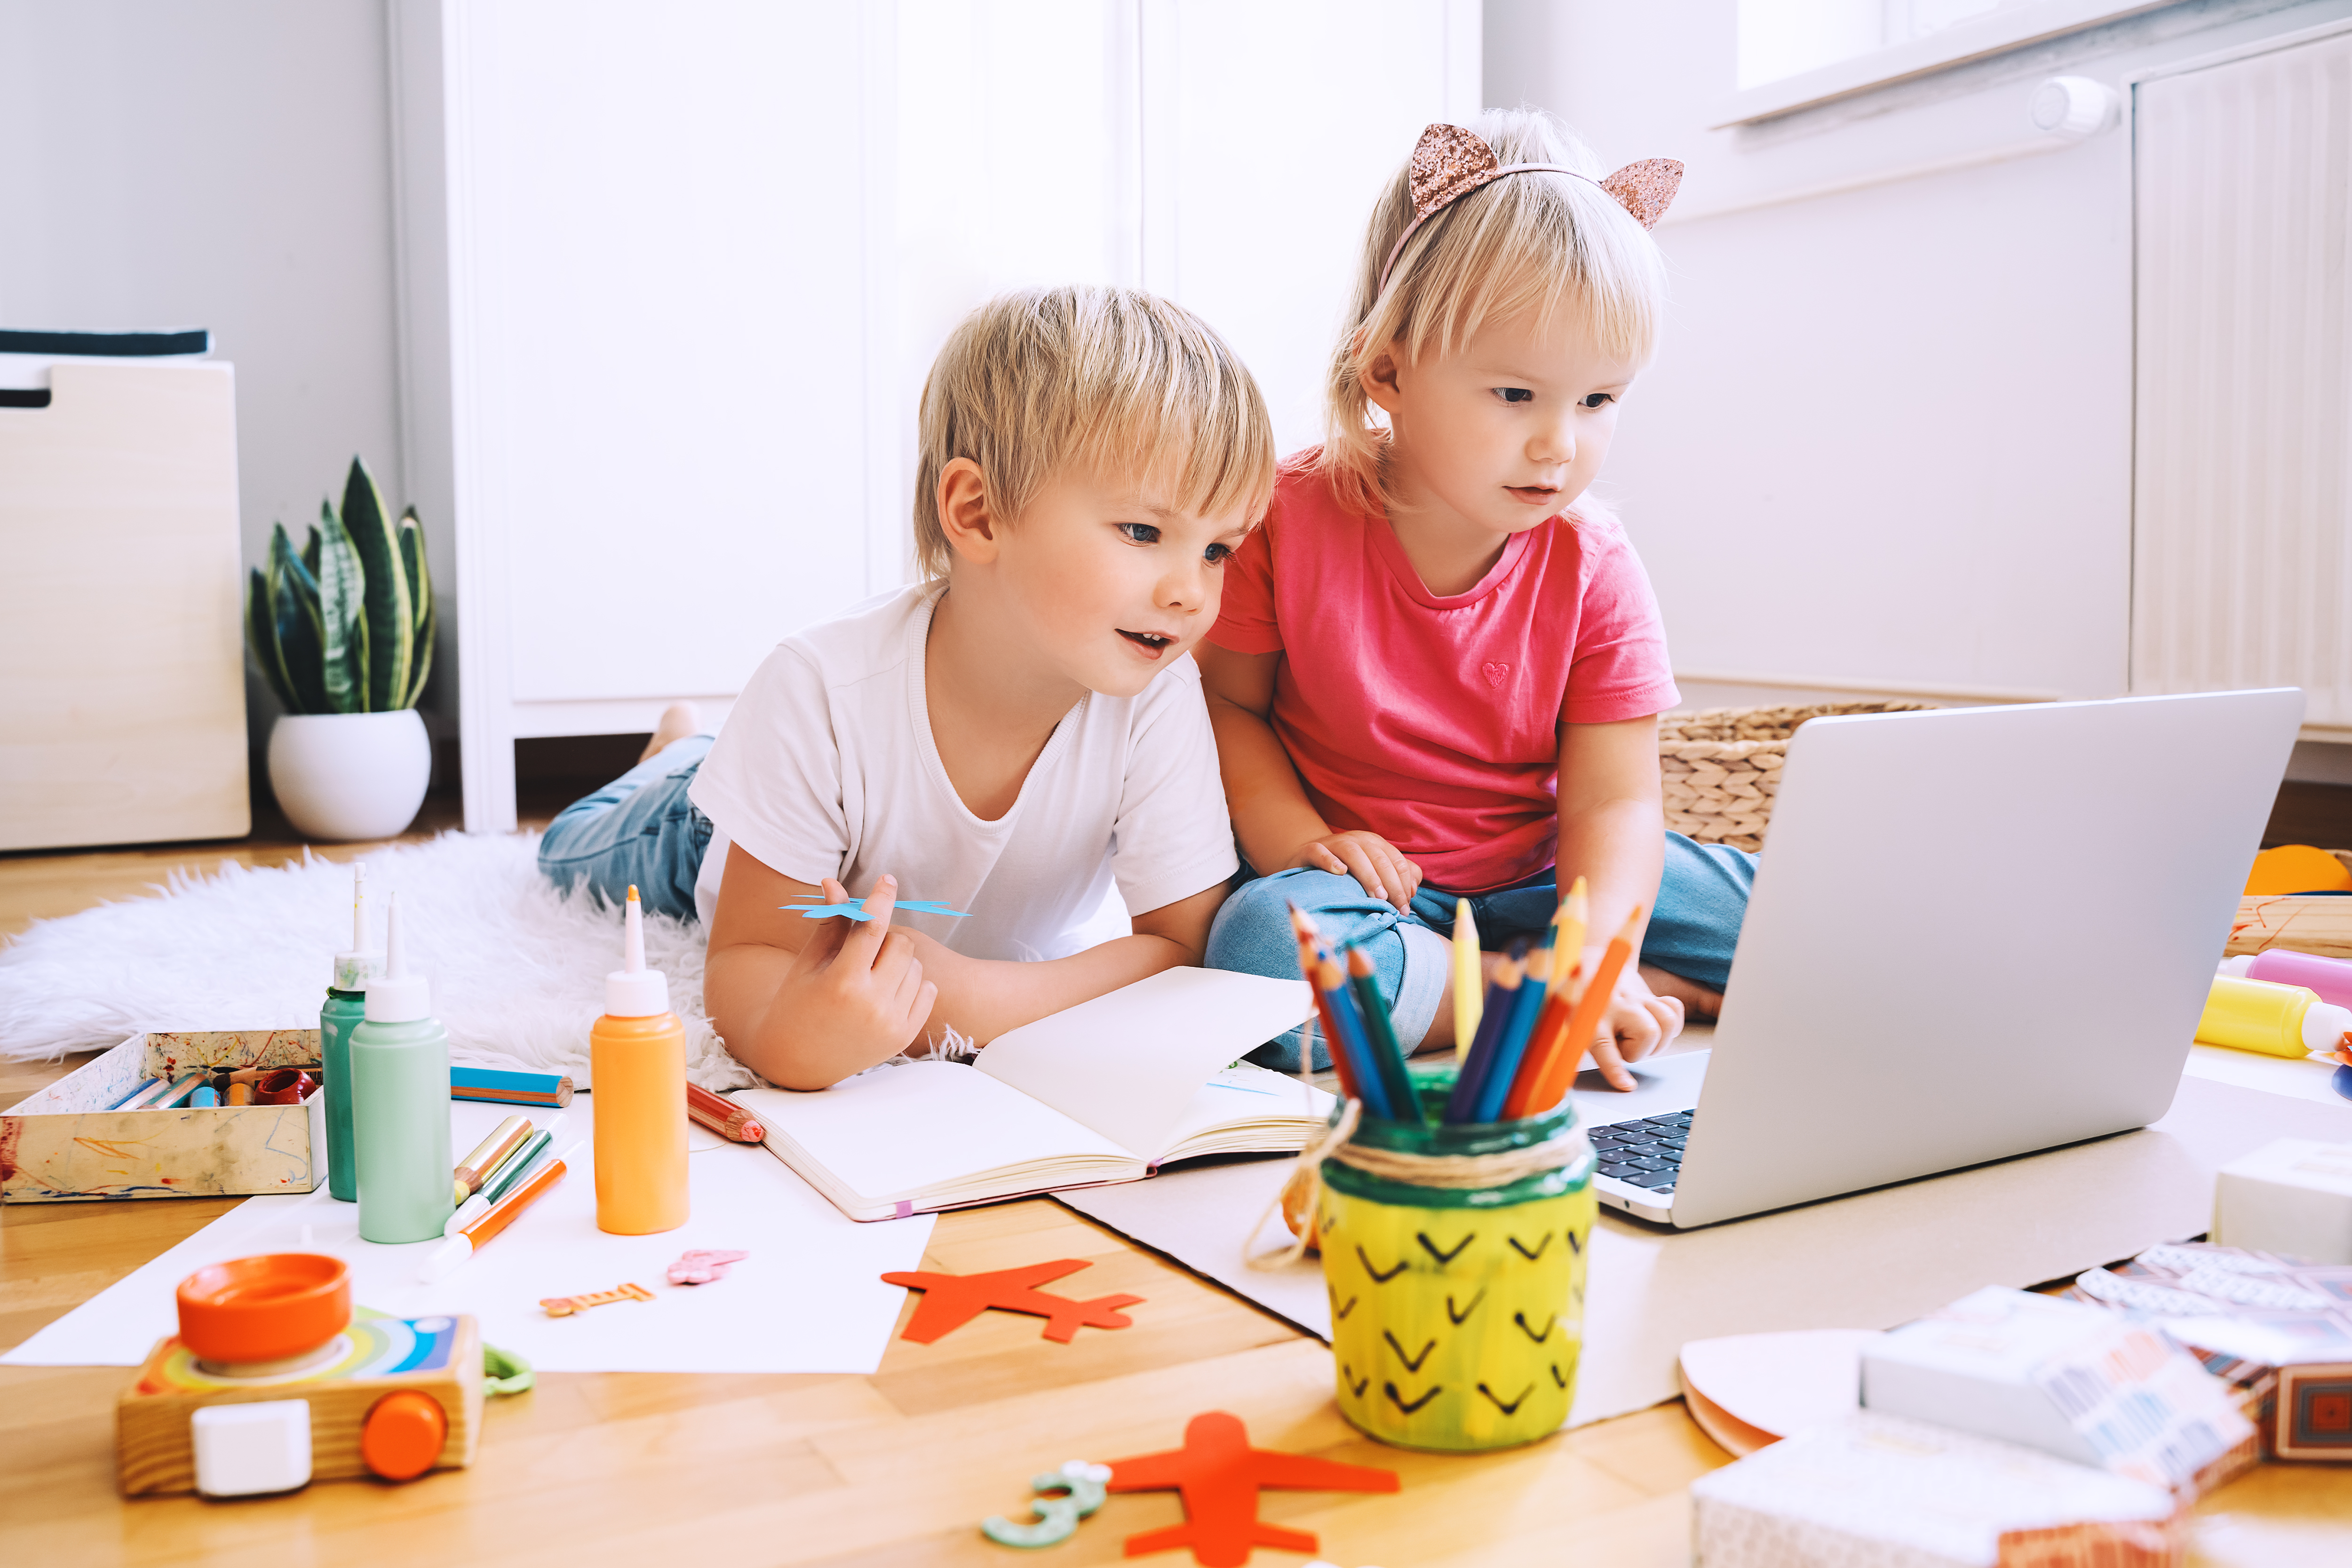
x=1469, y=987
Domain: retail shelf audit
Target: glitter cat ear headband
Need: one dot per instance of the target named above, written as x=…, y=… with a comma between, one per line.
x=1449, y=162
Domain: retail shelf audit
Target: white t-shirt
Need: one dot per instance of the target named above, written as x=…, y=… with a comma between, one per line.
x=827, y=768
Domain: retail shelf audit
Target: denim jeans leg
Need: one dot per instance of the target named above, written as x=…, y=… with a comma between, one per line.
x=1252, y=936
x=1702, y=902
x=640, y=830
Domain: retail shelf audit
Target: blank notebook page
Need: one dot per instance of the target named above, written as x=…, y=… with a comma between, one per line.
x=905, y=1128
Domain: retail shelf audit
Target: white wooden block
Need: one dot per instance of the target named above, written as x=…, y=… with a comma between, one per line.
x=2067, y=1378
x=243, y=1451
x=2291, y=1196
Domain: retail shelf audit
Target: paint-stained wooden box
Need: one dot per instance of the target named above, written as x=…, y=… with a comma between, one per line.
x=62, y=1145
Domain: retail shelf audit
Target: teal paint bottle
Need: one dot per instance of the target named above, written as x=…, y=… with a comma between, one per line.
x=346, y=1005
x=400, y=1103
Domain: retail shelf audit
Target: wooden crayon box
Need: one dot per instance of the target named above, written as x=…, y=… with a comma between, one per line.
x=62, y=1145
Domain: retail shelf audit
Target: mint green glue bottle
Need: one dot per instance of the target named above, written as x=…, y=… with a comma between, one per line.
x=346, y=1005
x=400, y=1102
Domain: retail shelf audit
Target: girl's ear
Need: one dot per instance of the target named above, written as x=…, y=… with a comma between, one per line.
x=1379, y=379
x=964, y=514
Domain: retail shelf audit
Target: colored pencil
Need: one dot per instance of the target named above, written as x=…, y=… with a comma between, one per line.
x=1472, y=1080
x=1469, y=992
x=732, y=1121
x=1332, y=980
x=1559, y=1001
x=1511, y=1045
x=488, y=1154
x=1560, y=1066
x=509, y=1087
x=1303, y=928
x=1387, y=1054
x=520, y=1166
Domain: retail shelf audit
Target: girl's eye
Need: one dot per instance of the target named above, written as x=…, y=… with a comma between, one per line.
x=1138, y=532
x=1596, y=399
x=1216, y=553
x=1515, y=394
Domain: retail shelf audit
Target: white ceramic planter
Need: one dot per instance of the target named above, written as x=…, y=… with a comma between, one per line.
x=349, y=775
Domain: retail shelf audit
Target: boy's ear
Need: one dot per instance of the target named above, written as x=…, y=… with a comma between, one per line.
x=964, y=513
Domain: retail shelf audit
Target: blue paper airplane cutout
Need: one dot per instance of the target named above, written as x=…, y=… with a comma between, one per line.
x=856, y=910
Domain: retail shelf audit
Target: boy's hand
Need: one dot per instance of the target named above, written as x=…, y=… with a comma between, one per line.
x=859, y=982
x=1637, y=1023
x=1373, y=860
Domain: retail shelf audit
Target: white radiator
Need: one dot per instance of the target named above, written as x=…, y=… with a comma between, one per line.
x=2242, y=511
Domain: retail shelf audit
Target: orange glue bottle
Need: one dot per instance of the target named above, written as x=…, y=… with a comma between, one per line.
x=636, y=1062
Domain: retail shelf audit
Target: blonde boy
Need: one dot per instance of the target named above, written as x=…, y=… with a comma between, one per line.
x=1006, y=737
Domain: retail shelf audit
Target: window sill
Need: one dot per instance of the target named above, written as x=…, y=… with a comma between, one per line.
x=1963, y=42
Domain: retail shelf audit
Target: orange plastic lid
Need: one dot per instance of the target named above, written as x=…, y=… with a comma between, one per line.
x=265, y=1309
x=403, y=1434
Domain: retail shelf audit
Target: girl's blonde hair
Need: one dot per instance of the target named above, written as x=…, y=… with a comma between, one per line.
x=1114, y=381
x=1526, y=243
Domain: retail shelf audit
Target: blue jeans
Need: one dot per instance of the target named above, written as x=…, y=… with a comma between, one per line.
x=1702, y=898
x=640, y=830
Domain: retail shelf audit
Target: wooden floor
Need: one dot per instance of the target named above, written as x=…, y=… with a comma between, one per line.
x=896, y=1469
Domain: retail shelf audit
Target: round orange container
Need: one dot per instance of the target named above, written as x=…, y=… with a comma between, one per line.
x=264, y=1308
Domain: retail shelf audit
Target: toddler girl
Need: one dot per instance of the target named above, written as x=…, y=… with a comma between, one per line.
x=1438, y=666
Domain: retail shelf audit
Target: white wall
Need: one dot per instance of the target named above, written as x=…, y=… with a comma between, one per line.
x=1889, y=438
x=223, y=165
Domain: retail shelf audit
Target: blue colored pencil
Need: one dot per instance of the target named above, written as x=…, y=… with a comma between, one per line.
x=1502, y=996
x=1387, y=1054
x=1511, y=1045
x=1354, y=1038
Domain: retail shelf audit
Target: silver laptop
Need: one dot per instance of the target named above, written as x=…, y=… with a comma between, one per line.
x=1976, y=932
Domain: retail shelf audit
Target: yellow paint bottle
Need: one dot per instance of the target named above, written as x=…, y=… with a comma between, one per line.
x=2277, y=1020
x=636, y=1059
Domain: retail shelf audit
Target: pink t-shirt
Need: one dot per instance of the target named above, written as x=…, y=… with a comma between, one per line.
x=1431, y=721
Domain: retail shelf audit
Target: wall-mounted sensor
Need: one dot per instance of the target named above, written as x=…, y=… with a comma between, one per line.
x=2076, y=107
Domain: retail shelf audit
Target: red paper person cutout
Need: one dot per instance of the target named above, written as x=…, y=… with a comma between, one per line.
x=951, y=1300
x=1219, y=1475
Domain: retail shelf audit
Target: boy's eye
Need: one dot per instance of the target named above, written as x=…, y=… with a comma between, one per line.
x=1596, y=399
x=1515, y=394
x=1216, y=553
x=1138, y=532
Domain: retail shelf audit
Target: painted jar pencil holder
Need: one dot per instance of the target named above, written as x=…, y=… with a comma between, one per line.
x=1455, y=1258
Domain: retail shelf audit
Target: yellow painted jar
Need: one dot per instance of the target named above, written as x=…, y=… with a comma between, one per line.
x=1457, y=1302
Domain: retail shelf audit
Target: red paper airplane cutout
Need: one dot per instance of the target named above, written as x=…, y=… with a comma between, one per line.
x=1220, y=1474
x=951, y=1300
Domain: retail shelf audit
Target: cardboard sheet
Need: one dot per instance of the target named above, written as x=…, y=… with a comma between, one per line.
x=809, y=1297
x=1869, y=1261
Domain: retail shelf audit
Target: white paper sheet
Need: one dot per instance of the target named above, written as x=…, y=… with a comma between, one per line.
x=809, y=1299
x=1869, y=1261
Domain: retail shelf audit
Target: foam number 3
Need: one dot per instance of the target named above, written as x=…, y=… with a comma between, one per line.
x=1064, y=1497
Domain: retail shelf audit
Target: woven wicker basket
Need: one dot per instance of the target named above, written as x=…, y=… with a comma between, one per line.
x=1722, y=765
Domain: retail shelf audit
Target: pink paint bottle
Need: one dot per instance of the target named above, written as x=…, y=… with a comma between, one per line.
x=2330, y=977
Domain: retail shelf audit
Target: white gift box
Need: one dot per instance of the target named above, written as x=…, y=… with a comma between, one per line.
x=2292, y=1196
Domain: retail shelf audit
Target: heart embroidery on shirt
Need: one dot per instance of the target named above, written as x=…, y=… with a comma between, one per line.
x=1496, y=673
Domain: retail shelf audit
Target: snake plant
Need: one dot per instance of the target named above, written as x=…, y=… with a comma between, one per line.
x=346, y=624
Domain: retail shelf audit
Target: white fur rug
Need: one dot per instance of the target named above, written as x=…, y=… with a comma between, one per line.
x=518, y=969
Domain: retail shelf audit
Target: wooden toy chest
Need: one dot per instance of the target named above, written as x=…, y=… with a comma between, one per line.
x=62, y=1145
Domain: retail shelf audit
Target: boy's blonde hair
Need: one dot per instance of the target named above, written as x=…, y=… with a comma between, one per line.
x=1114, y=381
x=1532, y=242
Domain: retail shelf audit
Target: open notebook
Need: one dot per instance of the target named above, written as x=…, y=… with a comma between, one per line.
x=1107, y=1091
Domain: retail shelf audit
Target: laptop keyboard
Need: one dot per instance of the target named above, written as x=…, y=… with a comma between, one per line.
x=1644, y=1153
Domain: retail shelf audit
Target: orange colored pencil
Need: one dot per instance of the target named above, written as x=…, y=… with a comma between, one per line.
x=1560, y=1005
x=1560, y=1065
x=1304, y=930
